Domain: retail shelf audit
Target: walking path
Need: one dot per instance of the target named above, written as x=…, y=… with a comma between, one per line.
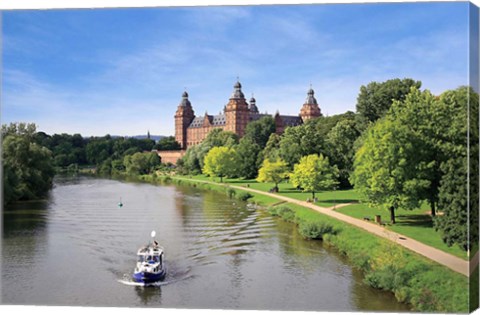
x=455, y=263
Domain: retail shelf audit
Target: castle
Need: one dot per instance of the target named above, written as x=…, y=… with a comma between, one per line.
x=191, y=130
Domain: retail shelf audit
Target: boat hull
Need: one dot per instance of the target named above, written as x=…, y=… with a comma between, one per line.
x=149, y=277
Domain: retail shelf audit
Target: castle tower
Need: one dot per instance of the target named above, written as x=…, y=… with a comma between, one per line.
x=183, y=117
x=310, y=109
x=253, y=107
x=237, y=112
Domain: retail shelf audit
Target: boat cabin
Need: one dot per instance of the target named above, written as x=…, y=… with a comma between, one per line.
x=150, y=255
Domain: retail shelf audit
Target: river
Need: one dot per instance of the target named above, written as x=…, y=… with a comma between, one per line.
x=74, y=247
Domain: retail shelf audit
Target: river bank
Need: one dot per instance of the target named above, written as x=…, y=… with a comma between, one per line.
x=413, y=279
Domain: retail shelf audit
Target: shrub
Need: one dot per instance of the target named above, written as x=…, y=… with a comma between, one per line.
x=272, y=211
x=315, y=229
x=231, y=193
x=244, y=196
x=286, y=213
x=167, y=180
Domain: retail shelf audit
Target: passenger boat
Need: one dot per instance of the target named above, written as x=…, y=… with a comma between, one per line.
x=150, y=263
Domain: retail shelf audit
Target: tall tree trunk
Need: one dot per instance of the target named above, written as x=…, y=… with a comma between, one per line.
x=432, y=206
x=221, y=179
x=313, y=196
x=392, y=215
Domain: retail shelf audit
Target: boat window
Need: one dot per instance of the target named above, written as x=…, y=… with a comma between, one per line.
x=141, y=258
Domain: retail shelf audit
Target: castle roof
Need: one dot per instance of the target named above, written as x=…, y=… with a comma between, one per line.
x=185, y=102
x=253, y=107
x=290, y=121
x=311, y=100
x=237, y=92
x=220, y=120
x=257, y=116
x=215, y=120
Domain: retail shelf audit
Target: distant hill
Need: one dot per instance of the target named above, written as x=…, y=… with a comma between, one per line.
x=153, y=137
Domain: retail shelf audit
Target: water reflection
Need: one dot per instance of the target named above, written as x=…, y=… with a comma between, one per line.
x=25, y=218
x=149, y=295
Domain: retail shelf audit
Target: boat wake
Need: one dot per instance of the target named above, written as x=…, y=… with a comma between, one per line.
x=127, y=280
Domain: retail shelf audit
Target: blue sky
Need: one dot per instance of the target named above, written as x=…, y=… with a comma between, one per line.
x=122, y=71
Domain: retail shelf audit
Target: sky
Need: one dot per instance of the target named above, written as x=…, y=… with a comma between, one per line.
x=123, y=71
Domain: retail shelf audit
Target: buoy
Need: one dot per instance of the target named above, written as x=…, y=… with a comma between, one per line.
x=120, y=204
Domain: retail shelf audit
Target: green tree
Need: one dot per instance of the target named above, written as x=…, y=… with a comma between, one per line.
x=117, y=166
x=167, y=143
x=250, y=146
x=221, y=162
x=384, y=169
x=273, y=172
x=247, y=151
x=314, y=173
x=375, y=99
x=260, y=130
x=98, y=150
x=340, y=148
x=27, y=167
x=309, y=138
x=192, y=161
x=427, y=119
x=141, y=163
x=272, y=147
x=153, y=161
x=457, y=224
x=300, y=141
x=146, y=144
x=105, y=167
x=27, y=130
x=325, y=124
x=42, y=139
x=438, y=126
x=219, y=138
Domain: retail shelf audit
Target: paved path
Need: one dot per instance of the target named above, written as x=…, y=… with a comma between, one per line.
x=453, y=262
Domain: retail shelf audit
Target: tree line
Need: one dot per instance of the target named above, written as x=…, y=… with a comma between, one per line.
x=31, y=158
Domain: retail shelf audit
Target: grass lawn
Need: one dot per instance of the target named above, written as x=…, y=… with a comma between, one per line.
x=416, y=224
x=325, y=199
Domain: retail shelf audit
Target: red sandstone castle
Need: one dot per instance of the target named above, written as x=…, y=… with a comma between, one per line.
x=191, y=130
